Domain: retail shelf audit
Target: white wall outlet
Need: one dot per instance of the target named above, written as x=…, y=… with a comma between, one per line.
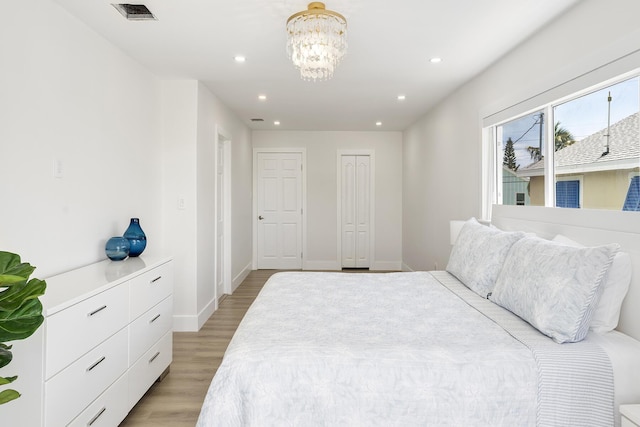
x=181, y=202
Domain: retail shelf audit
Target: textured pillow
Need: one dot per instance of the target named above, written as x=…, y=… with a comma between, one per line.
x=478, y=254
x=614, y=289
x=553, y=287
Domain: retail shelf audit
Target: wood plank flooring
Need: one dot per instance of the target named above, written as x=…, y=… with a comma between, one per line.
x=176, y=400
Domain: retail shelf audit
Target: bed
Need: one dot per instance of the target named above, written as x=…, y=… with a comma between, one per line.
x=437, y=348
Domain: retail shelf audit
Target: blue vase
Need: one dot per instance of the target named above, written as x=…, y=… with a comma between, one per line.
x=137, y=238
x=117, y=248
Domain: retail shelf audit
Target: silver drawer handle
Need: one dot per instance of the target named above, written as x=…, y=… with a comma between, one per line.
x=96, y=416
x=156, y=279
x=96, y=363
x=154, y=357
x=96, y=311
x=154, y=319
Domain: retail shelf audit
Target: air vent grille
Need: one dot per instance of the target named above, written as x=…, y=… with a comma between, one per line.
x=257, y=120
x=134, y=12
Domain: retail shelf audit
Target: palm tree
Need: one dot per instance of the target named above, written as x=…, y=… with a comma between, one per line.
x=562, y=138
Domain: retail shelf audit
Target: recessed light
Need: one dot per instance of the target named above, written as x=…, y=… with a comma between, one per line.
x=277, y=123
x=401, y=97
x=378, y=123
x=262, y=97
x=239, y=58
x=435, y=60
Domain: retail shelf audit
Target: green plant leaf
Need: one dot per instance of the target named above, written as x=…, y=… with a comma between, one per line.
x=7, y=380
x=13, y=297
x=5, y=355
x=8, y=396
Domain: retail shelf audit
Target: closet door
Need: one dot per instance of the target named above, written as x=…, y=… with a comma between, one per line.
x=355, y=211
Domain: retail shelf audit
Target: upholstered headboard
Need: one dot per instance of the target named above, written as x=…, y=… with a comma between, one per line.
x=588, y=227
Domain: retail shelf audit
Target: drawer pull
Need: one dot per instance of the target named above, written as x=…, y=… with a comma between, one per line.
x=155, y=318
x=96, y=363
x=156, y=279
x=96, y=416
x=154, y=357
x=96, y=311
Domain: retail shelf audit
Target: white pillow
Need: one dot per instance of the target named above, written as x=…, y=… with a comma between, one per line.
x=552, y=286
x=478, y=254
x=614, y=289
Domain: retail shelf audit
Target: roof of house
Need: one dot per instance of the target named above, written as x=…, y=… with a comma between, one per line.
x=587, y=155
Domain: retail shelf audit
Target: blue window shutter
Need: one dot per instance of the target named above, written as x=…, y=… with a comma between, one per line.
x=632, y=202
x=568, y=194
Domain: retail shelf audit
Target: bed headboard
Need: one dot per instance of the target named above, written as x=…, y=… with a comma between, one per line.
x=589, y=227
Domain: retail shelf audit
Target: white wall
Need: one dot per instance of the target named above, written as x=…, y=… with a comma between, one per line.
x=190, y=113
x=442, y=151
x=321, y=173
x=67, y=94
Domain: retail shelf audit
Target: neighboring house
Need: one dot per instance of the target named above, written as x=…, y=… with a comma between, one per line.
x=515, y=190
x=591, y=175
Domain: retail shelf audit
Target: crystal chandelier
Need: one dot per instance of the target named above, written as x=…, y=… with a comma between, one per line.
x=317, y=41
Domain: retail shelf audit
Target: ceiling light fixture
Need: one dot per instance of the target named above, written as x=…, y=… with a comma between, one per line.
x=378, y=123
x=316, y=41
x=276, y=123
x=239, y=58
x=262, y=97
x=435, y=60
x=401, y=97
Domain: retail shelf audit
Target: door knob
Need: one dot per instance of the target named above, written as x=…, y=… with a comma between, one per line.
x=260, y=217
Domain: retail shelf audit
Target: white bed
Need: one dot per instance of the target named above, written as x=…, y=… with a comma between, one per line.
x=412, y=349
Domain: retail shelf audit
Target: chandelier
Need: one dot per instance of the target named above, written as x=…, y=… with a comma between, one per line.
x=316, y=41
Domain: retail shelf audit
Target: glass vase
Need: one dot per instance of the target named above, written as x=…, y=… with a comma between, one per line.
x=117, y=248
x=137, y=238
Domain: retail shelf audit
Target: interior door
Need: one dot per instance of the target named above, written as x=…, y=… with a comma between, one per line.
x=279, y=206
x=355, y=211
x=220, y=210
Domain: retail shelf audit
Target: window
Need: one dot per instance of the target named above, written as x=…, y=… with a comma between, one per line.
x=595, y=147
x=632, y=201
x=568, y=194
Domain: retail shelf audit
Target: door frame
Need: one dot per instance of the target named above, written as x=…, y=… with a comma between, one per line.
x=254, y=222
x=222, y=137
x=372, y=202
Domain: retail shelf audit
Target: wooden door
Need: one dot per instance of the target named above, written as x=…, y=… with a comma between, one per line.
x=279, y=208
x=356, y=179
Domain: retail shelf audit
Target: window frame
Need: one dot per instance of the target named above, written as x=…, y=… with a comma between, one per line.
x=491, y=170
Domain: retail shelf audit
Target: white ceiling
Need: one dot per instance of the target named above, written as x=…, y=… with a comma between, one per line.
x=390, y=44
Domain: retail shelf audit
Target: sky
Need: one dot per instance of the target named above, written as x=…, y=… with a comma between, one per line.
x=582, y=117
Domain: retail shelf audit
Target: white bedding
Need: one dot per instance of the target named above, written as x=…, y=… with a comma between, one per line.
x=370, y=349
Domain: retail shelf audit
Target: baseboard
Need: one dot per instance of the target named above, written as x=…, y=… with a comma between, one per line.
x=206, y=312
x=386, y=266
x=405, y=267
x=321, y=265
x=240, y=277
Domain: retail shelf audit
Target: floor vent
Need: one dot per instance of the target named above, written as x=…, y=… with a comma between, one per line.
x=134, y=12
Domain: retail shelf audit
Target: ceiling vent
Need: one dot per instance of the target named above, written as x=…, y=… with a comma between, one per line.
x=257, y=120
x=134, y=12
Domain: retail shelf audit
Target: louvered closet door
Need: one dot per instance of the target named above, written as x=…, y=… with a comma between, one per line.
x=355, y=211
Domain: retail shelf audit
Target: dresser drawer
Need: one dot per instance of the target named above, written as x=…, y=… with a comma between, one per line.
x=68, y=393
x=148, y=368
x=109, y=409
x=149, y=328
x=149, y=288
x=74, y=331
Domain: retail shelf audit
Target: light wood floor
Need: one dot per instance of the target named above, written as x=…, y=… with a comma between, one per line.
x=176, y=401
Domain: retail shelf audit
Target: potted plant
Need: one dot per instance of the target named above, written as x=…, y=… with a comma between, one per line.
x=20, y=310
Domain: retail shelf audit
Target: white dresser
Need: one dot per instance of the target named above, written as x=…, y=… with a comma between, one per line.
x=106, y=339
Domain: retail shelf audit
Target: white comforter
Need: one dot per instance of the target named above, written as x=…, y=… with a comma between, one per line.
x=393, y=350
